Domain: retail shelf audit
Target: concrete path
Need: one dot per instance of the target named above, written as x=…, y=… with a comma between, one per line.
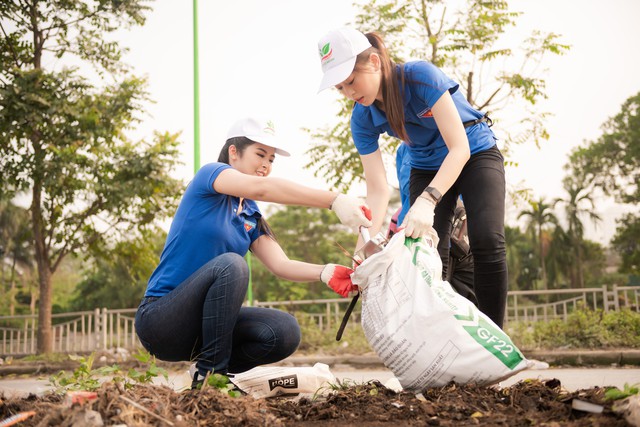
x=571, y=378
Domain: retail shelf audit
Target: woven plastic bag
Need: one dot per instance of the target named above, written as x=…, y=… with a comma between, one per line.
x=269, y=381
x=425, y=333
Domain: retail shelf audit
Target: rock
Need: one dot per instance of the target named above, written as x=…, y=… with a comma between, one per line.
x=87, y=418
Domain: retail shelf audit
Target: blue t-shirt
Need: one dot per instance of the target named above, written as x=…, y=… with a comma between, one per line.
x=403, y=170
x=205, y=225
x=424, y=85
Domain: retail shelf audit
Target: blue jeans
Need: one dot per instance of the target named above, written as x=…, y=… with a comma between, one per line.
x=482, y=186
x=203, y=320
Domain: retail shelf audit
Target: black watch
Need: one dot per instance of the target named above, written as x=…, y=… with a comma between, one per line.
x=433, y=193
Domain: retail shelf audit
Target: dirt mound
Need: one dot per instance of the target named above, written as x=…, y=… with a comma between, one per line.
x=527, y=403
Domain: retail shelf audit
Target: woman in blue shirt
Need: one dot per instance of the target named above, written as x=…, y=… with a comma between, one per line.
x=453, y=152
x=192, y=309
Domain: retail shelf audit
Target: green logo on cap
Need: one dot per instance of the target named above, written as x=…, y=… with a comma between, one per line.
x=325, y=52
x=271, y=128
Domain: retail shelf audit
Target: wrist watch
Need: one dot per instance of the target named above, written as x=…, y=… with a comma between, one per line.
x=433, y=194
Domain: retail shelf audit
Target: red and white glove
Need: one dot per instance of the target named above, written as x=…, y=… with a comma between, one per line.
x=352, y=211
x=419, y=219
x=338, y=278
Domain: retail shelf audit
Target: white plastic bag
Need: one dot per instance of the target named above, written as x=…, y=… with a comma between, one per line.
x=264, y=381
x=425, y=332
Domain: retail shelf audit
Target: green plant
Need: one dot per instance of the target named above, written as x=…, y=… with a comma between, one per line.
x=82, y=378
x=319, y=341
x=150, y=373
x=614, y=393
x=86, y=378
x=584, y=328
x=222, y=383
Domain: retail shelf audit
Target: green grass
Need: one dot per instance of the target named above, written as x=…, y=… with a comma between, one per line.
x=583, y=329
x=317, y=341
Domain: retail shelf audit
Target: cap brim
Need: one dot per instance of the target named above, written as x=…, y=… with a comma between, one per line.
x=271, y=142
x=337, y=74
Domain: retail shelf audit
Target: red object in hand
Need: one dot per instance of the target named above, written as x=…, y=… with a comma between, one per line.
x=366, y=211
x=338, y=278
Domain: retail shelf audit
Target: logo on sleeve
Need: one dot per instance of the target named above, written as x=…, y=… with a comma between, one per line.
x=426, y=113
x=249, y=225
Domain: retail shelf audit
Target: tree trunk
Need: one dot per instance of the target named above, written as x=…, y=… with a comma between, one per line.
x=12, y=299
x=12, y=288
x=580, y=275
x=45, y=342
x=543, y=266
x=45, y=335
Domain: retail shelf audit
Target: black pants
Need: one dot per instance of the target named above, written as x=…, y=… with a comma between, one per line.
x=482, y=186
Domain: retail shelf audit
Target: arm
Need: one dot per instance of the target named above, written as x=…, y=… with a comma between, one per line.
x=378, y=192
x=336, y=277
x=269, y=252
x=450, y=126
x=269, y=189
x=351, y=211
x=419, y=219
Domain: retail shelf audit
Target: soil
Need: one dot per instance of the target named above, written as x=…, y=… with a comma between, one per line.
x=527, y=403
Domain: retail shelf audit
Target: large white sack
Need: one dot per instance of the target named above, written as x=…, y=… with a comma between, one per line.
x=425, y=332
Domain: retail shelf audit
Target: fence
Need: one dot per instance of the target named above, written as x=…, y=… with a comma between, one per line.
x=82, y=331
x=103, y=329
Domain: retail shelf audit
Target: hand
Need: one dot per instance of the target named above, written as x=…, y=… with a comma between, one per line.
x=352, y=211
x=338, y=278
x=419, y=219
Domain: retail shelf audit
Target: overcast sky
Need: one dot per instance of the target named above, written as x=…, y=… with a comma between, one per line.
x=258, y=56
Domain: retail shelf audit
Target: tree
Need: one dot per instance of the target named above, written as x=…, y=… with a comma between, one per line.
x=521, y=261
x=612, y=162
x=119, y=277
x=627, y=242
x=539, y=216
x=16, y=252
x=466, y=44
x=63, y=139
x=579, y=204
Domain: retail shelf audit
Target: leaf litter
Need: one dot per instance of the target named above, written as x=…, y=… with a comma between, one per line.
x=526, y=403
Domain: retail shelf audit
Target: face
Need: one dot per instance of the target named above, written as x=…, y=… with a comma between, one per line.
x=363, y=85
x=257, y=159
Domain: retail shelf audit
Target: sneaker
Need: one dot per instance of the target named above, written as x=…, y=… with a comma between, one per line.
x=198, y=381
x=196, y=377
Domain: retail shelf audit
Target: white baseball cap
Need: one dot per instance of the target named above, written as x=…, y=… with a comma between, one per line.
x=258, y=130
x=338, y=51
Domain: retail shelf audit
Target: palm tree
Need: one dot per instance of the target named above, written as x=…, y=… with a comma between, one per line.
x=540, y=215
x=578, y=204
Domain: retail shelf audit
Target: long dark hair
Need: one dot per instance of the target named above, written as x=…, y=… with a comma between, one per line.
x=241, y=143
x=392, y=101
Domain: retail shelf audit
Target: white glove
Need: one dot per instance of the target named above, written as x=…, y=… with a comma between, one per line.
x=419, y=219
x=352, y=211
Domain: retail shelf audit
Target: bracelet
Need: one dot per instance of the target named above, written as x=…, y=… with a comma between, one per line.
x=433, y=193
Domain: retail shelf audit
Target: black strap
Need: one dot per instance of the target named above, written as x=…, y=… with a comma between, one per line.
x=345, y=318
x=482, y=119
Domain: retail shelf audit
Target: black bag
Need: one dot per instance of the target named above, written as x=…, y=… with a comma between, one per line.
x=460, y=268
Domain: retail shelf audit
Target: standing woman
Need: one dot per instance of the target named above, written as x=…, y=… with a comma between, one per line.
x=192, y=308
x=453, y=151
